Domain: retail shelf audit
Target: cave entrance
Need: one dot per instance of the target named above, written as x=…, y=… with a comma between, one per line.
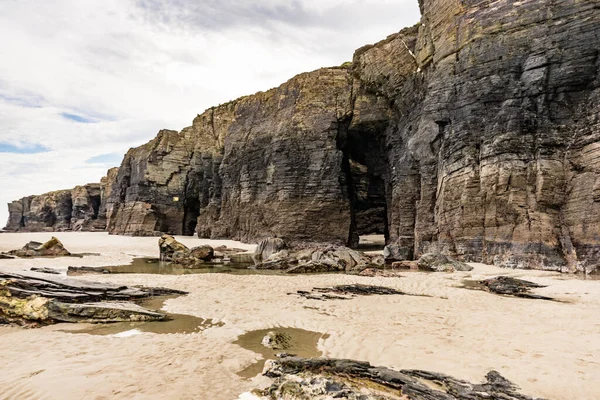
x=191, y=211
x=96, y=200
x=365, y=162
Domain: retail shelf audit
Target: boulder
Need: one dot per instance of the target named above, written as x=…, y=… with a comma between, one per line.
x=168, y=246
x=437, y=262
x=277, y=340
x=51, y=248
x=396, y=252
x=202, y=253
x=267, y=248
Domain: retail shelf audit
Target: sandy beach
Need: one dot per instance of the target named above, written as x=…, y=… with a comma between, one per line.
x=550, y=349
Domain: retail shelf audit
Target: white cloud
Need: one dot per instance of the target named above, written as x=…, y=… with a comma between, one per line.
x=134, y=67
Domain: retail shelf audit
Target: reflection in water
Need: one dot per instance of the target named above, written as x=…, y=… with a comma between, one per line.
x=302, y=343
x=177, y=323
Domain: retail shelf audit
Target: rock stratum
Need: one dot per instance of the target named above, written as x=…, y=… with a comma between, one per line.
x=475, y=133
x=82, y=208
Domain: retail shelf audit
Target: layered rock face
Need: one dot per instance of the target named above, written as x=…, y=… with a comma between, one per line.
x=493, y=148
x=263, y=165
x=81, y=208
x=474, y=133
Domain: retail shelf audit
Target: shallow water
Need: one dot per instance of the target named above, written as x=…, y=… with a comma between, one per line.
x=303, y=343
x=177, y=323
x=154, y=266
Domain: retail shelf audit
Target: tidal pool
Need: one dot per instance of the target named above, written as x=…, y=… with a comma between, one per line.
x=177, y=323
x=302, y=343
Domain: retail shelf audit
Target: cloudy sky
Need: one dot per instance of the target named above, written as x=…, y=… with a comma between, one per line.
x=82, y=81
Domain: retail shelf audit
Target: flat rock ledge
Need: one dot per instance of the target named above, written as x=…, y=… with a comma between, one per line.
x=322, y=378
x=348, y=292
x=508, y=286
x=35, y=299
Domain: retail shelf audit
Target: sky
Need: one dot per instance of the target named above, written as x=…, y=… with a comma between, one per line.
x=82, y=81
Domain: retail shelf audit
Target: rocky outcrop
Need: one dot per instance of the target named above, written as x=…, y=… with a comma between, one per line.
x=436, y=262
x=82, y=208
x=34, y=299
x=51, y=248
x=176, y=252
x=313, y=259
x=322, y=378
x=473, y=134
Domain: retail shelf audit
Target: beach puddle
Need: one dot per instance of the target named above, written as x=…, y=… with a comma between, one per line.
x=154, y=266
x=177, y=323
x=301, y=343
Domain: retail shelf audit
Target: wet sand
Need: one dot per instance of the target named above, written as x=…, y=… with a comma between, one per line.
x=550, y=349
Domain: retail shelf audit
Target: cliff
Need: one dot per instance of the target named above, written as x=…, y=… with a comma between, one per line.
x=474, y=133
x=82, y=208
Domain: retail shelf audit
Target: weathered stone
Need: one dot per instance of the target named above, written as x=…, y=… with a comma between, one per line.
x=82, y=208
x=277, y=340
x=296, y=378
x=346, y=292
x=267, y=248
x=373, y=272
x=513, y=287
x=394, y=252
x=437, y=262
x=51, y=248
x=46, y=270
x=314, y=259
x=31, y=298
x=414, y=265
x=77, y=271
x=204, y=253
x=168, y=246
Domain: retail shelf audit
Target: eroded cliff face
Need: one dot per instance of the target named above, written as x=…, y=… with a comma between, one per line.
x=78, y=209
x=475, y=133
x=493, y=148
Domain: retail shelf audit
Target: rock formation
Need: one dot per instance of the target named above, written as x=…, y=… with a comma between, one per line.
x=323, y=378
x=34, y=299
x=474, y=133
x=82, y=208
x=51, y=248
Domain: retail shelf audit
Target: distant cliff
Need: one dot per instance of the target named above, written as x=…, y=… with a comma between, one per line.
x=82, y=208
x=475, y=133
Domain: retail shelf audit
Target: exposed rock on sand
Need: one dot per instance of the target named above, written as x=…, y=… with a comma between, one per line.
x=276, y=340
x=513, y=287
x=177, y=253
x=30, y=298
x=347, y=292
x=267, y=248
x=51, y=248
x=437, y=262
x=313, y=259
x=321, y=379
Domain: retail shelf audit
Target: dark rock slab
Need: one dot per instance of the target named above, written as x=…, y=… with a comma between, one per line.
x=77, y=271
x=45, y=270
x=321, y=378
x=437, y=262
x=33, y=298
x=513, y=287
x=347, y=292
